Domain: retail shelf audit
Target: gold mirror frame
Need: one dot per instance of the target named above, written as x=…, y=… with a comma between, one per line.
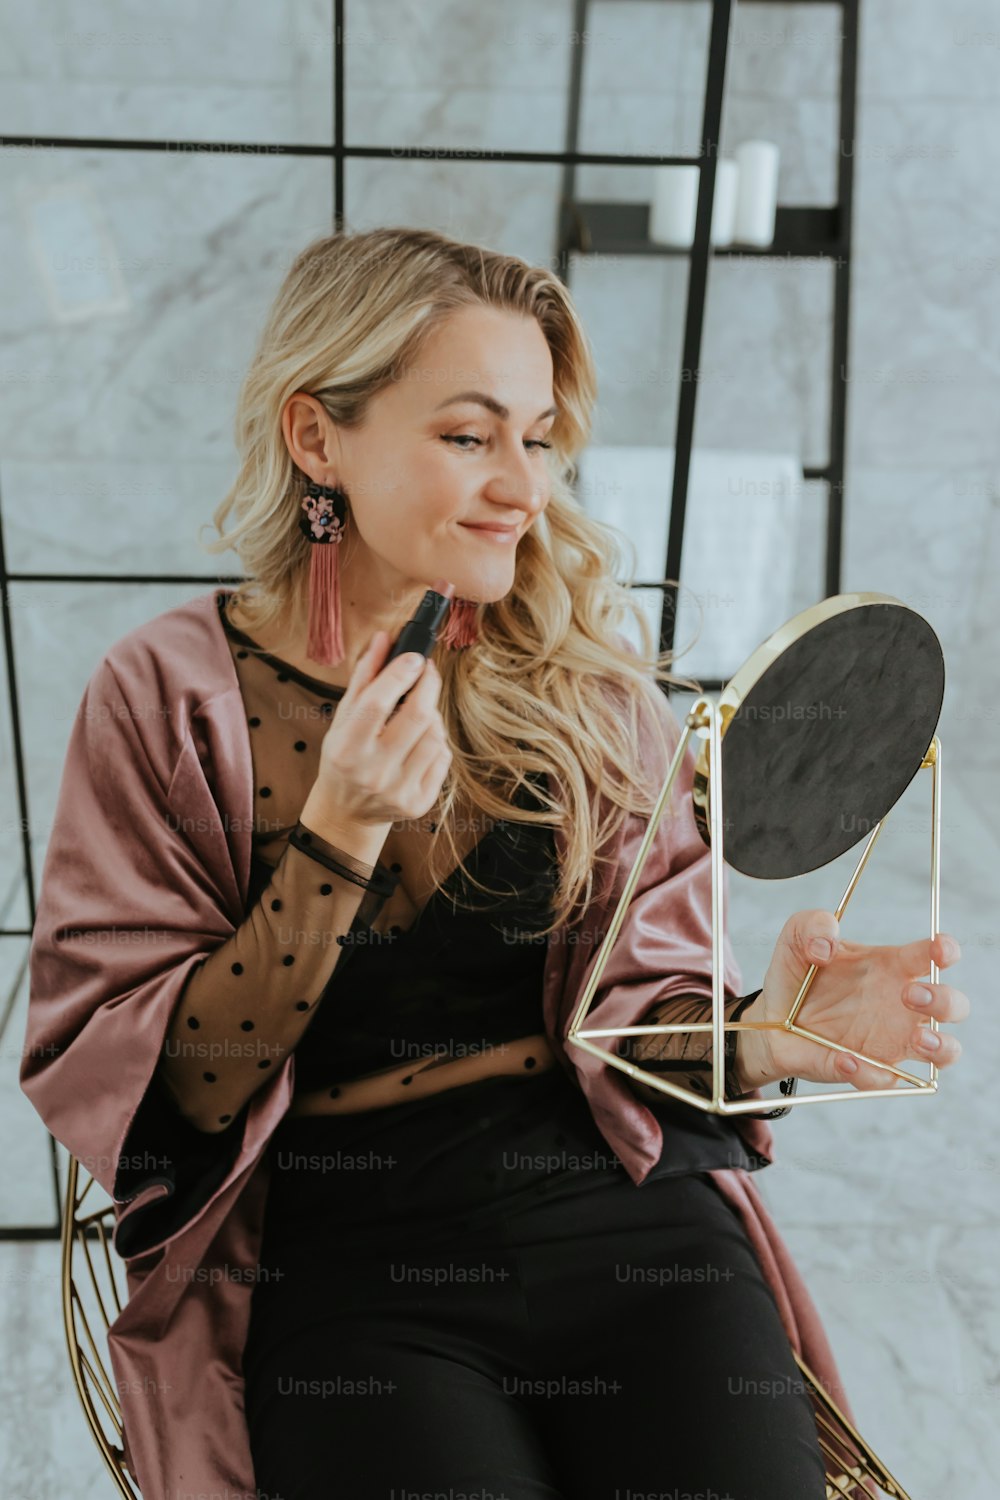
x=709, y=721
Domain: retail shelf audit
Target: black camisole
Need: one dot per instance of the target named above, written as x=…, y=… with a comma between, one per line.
x=466, y=977
x=458, y=982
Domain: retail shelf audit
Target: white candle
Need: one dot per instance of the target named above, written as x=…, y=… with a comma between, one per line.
x=757, y=194
x=727, y=175
x=675, y=201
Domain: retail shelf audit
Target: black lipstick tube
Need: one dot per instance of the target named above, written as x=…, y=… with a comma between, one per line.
x=420, y=633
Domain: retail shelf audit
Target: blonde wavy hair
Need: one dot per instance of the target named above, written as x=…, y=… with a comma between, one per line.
x=551, y=686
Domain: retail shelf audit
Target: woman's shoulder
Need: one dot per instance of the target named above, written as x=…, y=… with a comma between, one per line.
x=182, y=649
x=158, y=682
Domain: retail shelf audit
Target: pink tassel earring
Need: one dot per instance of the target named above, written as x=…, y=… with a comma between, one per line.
x=461, y=627
x=323, y=521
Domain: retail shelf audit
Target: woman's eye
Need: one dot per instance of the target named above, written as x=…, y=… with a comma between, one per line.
x=467, y=437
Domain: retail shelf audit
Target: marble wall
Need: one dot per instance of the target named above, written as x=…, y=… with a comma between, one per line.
x=135, y=284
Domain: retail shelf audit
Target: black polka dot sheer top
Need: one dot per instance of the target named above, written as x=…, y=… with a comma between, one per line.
x=376, y=1011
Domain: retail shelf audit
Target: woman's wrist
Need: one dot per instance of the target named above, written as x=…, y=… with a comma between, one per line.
x=755, y=1067
x=362, y=840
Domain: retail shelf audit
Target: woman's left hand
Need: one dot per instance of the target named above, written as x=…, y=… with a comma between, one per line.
x=861, y=996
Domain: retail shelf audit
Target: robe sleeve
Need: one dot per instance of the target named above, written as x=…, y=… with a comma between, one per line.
x=669, y=918
x=135, y=891
x=661, y=961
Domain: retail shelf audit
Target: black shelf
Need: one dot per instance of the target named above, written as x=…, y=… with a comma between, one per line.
x=602, y=228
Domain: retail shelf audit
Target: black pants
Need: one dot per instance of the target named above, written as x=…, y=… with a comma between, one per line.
x=443, y=1311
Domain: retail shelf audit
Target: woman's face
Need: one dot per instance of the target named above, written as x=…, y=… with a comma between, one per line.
x=426, y=469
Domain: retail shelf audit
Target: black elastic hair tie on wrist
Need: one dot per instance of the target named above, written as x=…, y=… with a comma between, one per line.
x=686, y=1065
x=379, y=881
x=787, y=1085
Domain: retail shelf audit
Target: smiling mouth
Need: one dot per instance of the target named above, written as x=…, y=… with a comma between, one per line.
x=491, y=529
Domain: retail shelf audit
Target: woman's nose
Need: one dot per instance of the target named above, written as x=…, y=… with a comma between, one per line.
x=522, y=489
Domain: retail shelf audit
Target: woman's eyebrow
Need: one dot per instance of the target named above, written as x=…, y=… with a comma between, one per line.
x=497, y=407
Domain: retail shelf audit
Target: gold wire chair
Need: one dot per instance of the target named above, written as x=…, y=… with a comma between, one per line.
x=83, y=1230
x=104, y=1288
x=865, y=1475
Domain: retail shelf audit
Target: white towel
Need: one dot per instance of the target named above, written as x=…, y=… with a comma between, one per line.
x=740, y=526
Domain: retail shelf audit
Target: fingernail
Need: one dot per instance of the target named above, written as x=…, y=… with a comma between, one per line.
x=413, y=661
x=920, y=996
x=930, y=1040
x=820, y=948
x=849, y=1064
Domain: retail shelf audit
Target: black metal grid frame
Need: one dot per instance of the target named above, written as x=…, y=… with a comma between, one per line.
x=821, y=233
x=582, y=229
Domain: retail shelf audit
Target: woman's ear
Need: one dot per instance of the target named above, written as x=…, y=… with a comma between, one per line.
x=310, y=436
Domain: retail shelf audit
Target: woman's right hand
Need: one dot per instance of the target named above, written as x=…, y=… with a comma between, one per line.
x=375, y=769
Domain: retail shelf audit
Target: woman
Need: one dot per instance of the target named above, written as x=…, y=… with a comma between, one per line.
x=520, y=1320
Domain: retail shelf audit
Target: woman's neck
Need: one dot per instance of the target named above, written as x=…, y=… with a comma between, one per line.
x=288, y=642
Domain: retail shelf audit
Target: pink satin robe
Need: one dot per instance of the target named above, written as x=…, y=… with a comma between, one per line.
x=151, y=841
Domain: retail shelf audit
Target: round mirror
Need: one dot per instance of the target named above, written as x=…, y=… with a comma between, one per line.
x=822, y=730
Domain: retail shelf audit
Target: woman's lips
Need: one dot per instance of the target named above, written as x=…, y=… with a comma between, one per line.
x=492, y=532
